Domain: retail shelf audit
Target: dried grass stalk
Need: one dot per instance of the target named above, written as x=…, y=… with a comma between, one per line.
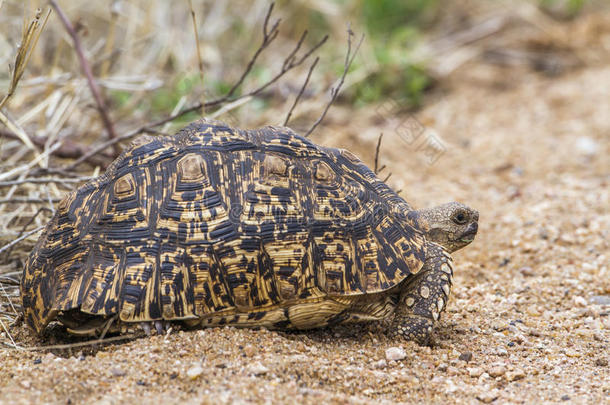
x=29, y=39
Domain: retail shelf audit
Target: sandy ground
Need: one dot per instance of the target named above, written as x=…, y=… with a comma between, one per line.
x=529, y=318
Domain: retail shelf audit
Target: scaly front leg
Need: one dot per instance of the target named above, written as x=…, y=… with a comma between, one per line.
x=423, y=299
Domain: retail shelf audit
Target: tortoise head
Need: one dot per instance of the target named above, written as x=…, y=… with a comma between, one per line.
x=452, y=225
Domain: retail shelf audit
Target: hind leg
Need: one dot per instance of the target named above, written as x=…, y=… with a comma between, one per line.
x=424, y=298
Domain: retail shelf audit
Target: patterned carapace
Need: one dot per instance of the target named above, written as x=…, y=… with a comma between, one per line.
x=219, y=225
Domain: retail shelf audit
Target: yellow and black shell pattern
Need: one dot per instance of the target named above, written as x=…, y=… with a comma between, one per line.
x=220, y=220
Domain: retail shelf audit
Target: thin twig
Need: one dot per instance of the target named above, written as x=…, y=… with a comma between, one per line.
x=23, y=168
x=290, y=58
x=16, y=241
x=54, y=170
x=28, y=200
x=8, y=297
x=334, y=92
x=377, y=153
x=9, y=334
x=229, y=107
x=68, y=149
x=80, y=344
x=20, y=234
x=8, y=281
x=95, y=91
x=199, y=59
x=12, y=273
x=296, y=100
x=268, y=37
x=43, y=180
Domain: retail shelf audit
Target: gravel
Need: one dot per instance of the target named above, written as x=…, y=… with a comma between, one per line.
x=395, y=353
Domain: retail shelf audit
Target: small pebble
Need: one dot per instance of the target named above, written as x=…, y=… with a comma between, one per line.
x=475, y=372
x=395, y=353
x=488, y=396
x=466, y=356
x=498, y=326
x=502, y=352
x=586, y=145
x=194, y=372
x=49, y=357
x=453, y=371
x=26, y=384
x=117, y=372
x=580, y=301
x=600, y=300
x=565, y=398
x=601, y=362
x=380, y=364
x=257, y=368
x=514, y=375
x=527, y=271
x=450, y=387
x=497, y=371
x=442, y=367
x=249, y=350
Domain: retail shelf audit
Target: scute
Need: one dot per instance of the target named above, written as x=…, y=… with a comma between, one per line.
x=226, y=226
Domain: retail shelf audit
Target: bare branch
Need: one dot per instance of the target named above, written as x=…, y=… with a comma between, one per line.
x=77, y=344
x=43, y=180
x=376, y=170
x=290, y=58
x=268, y=37
x=334, y=92
x=288, y=64
x=20, y=235
x=199, y=59
x=24, y=236
x=8, y=281
x=95, y=91
x=98, y=149
x=298, y=97
x=29, y=200
x=67, y=150
x=269, y=34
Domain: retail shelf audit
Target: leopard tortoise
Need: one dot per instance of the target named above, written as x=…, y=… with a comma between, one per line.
x=217, y=225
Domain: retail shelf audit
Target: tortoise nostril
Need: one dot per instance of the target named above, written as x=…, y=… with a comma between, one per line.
x=473, y=227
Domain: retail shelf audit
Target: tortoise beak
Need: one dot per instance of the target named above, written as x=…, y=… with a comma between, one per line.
x=470, y=233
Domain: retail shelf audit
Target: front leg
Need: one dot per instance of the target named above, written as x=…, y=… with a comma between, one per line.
x=424, y=298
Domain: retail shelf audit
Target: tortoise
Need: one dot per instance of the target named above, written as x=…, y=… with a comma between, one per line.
x=217, y=225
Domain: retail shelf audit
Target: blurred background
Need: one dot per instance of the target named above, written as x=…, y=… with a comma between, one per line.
x=144, y=53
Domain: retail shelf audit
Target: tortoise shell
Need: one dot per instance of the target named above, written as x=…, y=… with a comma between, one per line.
x=220, y=220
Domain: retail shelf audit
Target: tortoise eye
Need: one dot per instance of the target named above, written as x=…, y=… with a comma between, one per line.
x=460, y=218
